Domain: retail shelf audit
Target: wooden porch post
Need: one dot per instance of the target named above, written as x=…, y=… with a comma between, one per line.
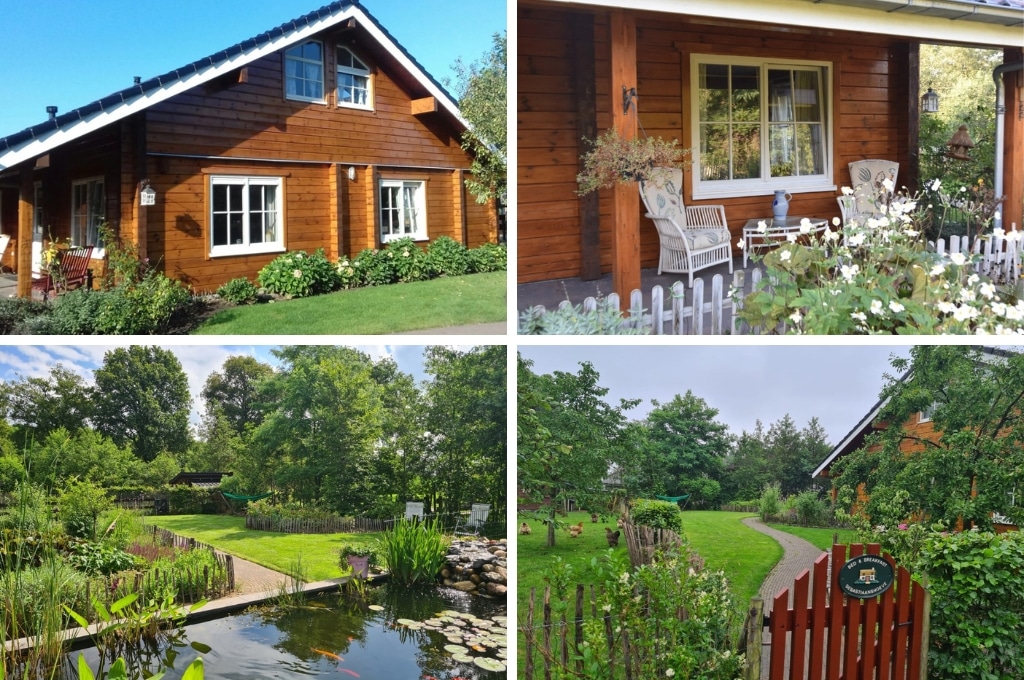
x=625, y=199
x=582, y=56
x=26, y=215
x=1013, y=148
x=912, y=178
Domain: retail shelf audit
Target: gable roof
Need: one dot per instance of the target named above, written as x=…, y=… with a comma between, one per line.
x=41, y=138
x=855, y=437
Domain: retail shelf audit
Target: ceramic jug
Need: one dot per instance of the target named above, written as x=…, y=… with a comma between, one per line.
x=780, y=206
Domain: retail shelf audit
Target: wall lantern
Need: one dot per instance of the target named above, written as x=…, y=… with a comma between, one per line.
x=930, y=102
x=351, y=173
x=960, y=146
x=148, y=195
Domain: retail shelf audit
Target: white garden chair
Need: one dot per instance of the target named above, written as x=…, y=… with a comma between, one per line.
x=692, y=237
x=477, y=518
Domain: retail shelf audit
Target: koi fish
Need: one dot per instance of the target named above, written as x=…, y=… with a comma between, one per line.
x=329, y=655
x=352, y=673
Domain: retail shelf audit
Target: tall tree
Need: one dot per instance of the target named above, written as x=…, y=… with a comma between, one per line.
x=142, y=399
x=973, y=468
x=691, y=444
x=746, y=468
x=42, y=405
x=481, y=89
x=233, y=392
x=568, y=438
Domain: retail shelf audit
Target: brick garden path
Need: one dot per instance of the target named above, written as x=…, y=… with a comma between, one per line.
x=798, y=555
x=253, y=578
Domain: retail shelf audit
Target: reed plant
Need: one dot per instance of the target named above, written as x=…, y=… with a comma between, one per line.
x=414, y=551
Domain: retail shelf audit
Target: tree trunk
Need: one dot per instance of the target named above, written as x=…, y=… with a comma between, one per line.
x=551, y=526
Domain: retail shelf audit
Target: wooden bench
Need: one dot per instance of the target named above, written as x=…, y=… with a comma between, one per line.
x=72, y=271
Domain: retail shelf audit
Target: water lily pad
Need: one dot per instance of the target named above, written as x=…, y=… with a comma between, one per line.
x=375, y=608
x=462, y=658
x=406, y=622
x=454, y=639
x=455, y=649
x=490, y=664
x=436, y=623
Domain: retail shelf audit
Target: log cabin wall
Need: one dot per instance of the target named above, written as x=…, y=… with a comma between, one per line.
x=869, y=120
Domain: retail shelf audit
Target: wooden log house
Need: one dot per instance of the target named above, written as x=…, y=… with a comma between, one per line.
x=857, y=94
x=321, y=133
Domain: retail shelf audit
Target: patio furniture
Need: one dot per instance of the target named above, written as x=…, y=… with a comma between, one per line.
x=477, y=518
x=72, y=271
x=692, y=237
x=776, y=233
x=4, y=241
x=414, y=511
x=868, y=193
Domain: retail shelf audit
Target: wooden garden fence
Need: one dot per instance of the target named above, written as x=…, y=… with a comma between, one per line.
x=218, y=582
x=320, y=525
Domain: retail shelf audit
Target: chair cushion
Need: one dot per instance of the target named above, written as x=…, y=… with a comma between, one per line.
x=700, y=240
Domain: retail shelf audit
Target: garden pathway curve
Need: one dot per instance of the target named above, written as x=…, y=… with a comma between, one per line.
x=253, y=578
x=797, y=555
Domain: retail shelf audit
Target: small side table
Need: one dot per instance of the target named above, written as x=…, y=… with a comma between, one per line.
x=778, y=232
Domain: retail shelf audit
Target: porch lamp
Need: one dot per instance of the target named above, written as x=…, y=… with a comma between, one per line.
x=930, y=102
x=960, y=145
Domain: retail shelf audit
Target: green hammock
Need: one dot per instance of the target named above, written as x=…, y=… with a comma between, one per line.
x=670, y=499
x=234, y=497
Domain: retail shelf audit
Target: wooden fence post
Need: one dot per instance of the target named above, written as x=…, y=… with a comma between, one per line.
x=752, y=632
x=926, y=625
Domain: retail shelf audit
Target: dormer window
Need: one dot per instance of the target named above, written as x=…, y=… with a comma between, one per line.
x=353, y=81
x=304, y=72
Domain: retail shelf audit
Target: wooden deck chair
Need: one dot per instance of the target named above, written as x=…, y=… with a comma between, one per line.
x=692, y=237
x=72, y=271
x=414, y=511
x=477, y=518
x=866, y=177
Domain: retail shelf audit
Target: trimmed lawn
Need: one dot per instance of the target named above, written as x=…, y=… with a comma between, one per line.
x=280, y=552
x=820, y=538
x=446, y=301
x=725, y=543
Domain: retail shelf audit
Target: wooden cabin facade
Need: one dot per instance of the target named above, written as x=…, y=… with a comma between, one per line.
x=322, y=133
x=859, y=62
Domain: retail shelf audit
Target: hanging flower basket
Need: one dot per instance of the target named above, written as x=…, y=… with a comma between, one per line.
x=613, y=160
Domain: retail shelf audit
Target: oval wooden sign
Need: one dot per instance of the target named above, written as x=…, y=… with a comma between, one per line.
x=866, y=576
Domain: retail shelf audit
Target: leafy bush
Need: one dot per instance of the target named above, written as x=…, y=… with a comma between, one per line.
x=490, y=257
x=80, y=504
x=377, y=269
x=73, y=313
x=184, y=573
x=240, y=291
x=414, y=552
x=657, y=514
x=976, y=581
x=447, y=257
x=408, y=262
x=297, y=274
x=188, y=500
x=95, y=558
x=143, y=308
x=606, y=319
x=770, y=502
x=350, y=273
x=267, y=509
x=811, y=510
x=15, y=311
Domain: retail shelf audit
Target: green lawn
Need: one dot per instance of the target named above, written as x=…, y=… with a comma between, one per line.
x=446, y=301
x=281, y=552
x=820, y=538
x=725, y=543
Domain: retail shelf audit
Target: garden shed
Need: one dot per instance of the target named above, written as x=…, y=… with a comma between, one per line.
x=321, y=133
x=841, y=76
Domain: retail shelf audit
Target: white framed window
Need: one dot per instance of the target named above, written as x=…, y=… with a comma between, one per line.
x=304, y=72
x=88, y=211
x=245, y=215
x=760, y=125
x=403, y=210
x=354, y=84
x=925, y=414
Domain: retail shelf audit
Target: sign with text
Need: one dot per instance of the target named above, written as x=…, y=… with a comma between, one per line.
x=866, y=576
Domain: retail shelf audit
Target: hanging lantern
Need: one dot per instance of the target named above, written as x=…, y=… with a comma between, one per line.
x=930, y=102
x=960, y=146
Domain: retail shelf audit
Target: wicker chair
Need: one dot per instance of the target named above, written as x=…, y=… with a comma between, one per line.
x=692, y=237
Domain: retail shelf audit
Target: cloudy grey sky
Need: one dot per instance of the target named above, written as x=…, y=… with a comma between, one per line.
x=836, y=383
x=198, y=361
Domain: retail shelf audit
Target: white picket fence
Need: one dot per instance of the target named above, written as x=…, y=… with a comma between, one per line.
x=999, y=257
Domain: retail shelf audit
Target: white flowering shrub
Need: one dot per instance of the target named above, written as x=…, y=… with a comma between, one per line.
x=296, y=274
x=408, y=262
x=678, y=617
x=878, y=276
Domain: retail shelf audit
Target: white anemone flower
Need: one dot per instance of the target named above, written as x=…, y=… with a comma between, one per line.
x=957, y=258
x=762, y=227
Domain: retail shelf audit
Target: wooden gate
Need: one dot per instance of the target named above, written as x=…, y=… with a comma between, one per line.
x=829, y=636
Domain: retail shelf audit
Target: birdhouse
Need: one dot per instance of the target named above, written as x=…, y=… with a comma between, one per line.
x=960, y=146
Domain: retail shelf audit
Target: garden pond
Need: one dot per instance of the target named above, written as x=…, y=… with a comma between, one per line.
x=388, y=633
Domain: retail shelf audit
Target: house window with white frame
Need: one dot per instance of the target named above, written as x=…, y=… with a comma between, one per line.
x=760, y=125
x=403, y=210
x=87, y=213
x=353, y=81
x=245, y=215
x=304, y=72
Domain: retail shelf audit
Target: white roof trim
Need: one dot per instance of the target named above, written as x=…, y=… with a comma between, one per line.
x=865, y=422
x=51, y=140
x=836, y=17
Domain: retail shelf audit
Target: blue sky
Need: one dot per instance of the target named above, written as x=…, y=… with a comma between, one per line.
x=836, y=383
x=69, y=53
x=198, y=361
